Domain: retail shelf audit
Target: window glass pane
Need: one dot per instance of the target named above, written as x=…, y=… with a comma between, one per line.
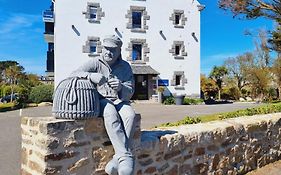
x=177, y=19
x=178, y=80
x=93, y=12
x=51, y=46
x=137, y=52
x=136, y=19
x=177, y=49
x=93, y=46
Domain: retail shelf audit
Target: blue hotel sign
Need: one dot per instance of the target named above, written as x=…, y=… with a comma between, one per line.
x=163, y=82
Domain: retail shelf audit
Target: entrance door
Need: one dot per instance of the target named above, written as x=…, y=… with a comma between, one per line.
x=141, y=87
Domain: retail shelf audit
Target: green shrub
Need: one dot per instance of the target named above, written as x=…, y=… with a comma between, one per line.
x=42, y=93
x=169, y=100
x=191, y=101
x=266, y=109
x=187, y=120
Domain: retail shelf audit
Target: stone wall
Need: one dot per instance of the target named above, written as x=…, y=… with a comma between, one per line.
x=233, y=146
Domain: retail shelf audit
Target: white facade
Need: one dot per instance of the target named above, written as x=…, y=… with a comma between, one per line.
x=72, y=30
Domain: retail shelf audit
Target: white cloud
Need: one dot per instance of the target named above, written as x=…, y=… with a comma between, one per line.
x=17, y=22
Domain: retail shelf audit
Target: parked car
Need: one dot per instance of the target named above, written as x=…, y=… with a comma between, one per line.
x=7, y=98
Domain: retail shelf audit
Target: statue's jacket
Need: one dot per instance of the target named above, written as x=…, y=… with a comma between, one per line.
x=120, y=69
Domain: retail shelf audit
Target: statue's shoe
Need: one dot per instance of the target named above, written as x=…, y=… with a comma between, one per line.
x=126, y=166
x=112, y=166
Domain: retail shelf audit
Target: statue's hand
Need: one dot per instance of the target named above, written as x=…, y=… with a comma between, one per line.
x=97, y=78
x=115, y=84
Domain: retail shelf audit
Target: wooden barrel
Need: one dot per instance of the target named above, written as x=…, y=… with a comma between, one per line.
x=76, y=98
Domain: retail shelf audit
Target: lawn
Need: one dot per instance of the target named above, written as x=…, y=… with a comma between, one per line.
x=264, y=109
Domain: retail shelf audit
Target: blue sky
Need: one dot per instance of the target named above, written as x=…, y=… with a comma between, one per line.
x=21, y=34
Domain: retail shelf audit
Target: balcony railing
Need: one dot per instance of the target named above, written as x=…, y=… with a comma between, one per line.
x=48, y=16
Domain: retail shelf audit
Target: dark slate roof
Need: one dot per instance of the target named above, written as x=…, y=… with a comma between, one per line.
x=143, y=69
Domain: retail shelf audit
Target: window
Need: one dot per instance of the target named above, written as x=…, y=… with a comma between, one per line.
x=137, y=52
x=177, y=19
x=178, y=80
x=93, y=47
x=136, y=19
x=177, y=49
x=93, y=12
x=51, y=47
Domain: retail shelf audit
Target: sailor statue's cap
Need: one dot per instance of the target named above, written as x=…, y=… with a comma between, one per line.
x=112, y=41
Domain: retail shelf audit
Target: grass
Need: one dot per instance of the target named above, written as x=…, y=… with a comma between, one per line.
x=265, y=109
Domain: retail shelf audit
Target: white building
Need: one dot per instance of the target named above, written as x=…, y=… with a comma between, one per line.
x=159, y=37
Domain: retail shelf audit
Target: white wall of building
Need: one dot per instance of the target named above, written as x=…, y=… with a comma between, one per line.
x=68, y=45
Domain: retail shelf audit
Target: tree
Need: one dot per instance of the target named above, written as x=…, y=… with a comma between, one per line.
x=276, y=69
x=13, y=74
x=259, y=74
x=208, y=87
x=237, y=69
x=6, y=64
x=252, y=9
x=217, y=74
x=275, y=40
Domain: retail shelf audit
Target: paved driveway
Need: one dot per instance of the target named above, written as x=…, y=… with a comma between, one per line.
x=152, y=114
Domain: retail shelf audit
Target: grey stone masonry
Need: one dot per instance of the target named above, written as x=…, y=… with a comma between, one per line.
x=86, y=47
x=145, y=17
x=145, y=50
x=183, y=79
x=183, y=19
x=99, y=14
x=182, y=50
x=228, y=147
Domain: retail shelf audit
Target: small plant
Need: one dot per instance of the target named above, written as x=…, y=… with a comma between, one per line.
x=160, y=89
x=169, y=101
x=187, y=120
x=191, y=101
x=42, y=93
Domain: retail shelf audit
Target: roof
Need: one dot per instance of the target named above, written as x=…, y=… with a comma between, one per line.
x=143, y=70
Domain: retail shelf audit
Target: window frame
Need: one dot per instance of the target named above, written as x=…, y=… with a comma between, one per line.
x=144, y=50
x=178, y=23
x=144, y=18
x=99, y=13
x=92, y=40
